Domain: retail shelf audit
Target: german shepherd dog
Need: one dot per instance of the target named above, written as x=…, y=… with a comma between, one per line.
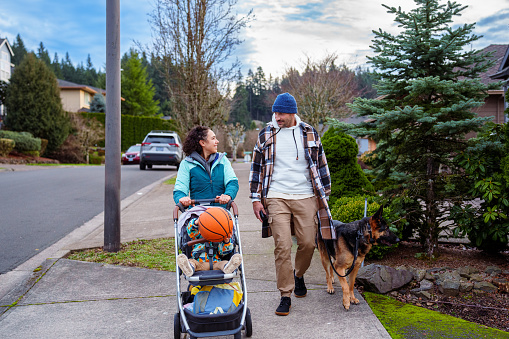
x=361, y=235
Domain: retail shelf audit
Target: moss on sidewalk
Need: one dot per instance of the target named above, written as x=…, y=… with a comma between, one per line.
x=408, y=321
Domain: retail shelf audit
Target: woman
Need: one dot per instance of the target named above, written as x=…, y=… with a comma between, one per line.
x=204, y=173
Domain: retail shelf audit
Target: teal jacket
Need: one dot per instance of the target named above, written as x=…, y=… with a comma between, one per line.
x=205, y=180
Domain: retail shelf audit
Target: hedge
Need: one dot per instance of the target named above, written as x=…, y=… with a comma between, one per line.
x=348, y=209
x=133, y=128
x=6, y=146
x=24, y=141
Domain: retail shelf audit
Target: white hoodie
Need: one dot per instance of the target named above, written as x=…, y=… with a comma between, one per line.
x=290, y=178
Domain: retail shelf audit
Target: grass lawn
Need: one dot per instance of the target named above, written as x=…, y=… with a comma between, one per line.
x=157, y=254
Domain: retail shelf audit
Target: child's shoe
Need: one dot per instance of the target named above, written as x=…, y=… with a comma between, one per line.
x=184, y=264
x=233, y=264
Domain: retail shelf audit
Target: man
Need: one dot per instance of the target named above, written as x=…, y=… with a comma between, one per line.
x=289, y=182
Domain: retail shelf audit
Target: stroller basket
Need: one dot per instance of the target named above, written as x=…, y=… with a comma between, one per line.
x=201, y=323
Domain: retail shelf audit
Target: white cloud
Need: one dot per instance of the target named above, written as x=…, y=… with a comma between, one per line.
x=281, y=33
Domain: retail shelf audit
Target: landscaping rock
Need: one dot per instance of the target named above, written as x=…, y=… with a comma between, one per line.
x=422, y=294
x=485, y=287
x=382, y=279
x=426, y=285
x=476, y=278
x=467, y=271
x=450, y=287
x=492, y=270
x=466, y=286
x=433, y=274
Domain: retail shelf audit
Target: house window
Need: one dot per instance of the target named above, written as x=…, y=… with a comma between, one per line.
x=87, y=99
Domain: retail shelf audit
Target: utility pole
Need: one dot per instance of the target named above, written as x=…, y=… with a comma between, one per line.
x=112, y=167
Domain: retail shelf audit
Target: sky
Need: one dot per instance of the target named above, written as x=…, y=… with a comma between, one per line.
x=282, y=34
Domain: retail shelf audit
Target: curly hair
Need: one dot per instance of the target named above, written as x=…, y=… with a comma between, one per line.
x=192, y=142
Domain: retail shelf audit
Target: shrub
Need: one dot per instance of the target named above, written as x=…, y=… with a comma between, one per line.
x=6, y=146
x=24, y=141
x=70, y=152
x=96, y=160
x=348, y=209
x=347, y=177
x=486, y=223
x=44, y=144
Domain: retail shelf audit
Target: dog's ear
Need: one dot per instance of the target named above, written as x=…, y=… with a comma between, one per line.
x=379, y=213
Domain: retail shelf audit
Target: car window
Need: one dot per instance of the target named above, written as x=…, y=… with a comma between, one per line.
x=133, y=149
x=160, y=139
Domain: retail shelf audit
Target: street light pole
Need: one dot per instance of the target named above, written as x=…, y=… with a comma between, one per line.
x=112, y=167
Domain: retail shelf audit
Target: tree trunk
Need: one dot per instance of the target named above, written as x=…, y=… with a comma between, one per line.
x=431, y=226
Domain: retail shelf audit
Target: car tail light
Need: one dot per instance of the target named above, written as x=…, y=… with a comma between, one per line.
x=176, y=145
x=145, y=143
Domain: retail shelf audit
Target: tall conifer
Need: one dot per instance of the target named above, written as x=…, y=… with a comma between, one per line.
x=429, y=87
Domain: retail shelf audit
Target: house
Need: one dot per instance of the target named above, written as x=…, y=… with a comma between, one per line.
x=5, y=68
x=502, y=74
x=76, y=97
x=495, y=104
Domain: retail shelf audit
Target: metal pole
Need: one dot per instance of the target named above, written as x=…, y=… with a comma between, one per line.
x=112, y=168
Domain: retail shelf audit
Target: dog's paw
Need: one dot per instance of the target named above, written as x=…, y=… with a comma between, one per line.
x=330, y=290
x=354, y=300
x=346, y=306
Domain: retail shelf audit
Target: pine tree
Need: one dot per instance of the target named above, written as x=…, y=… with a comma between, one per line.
x=19, y=50
x=240, y=112
x=428, y=80
x=137, y=91
x=34, y=105
x=43, y=54
x=98, y=104
x=56, y=67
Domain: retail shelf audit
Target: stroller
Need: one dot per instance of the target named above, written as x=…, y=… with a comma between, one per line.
x=207, y=325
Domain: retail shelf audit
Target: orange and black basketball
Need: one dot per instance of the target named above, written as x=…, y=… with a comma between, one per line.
x=215, y=224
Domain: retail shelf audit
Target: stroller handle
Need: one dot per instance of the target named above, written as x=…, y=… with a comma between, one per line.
x=179, y=207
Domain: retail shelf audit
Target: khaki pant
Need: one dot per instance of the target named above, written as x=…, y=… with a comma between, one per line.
x=303, y=213
x=205, y=266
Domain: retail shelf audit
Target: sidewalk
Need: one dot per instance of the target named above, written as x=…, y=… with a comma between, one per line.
x=72, y=299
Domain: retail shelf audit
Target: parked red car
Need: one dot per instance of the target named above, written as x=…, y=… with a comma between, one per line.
x=132, y=155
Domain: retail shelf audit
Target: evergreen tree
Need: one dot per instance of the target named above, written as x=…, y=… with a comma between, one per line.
x=428, y=77
x=19, y=50
x=68, y=70
x=347, y=177
x=34, y=104
x=137, y=91
x=43, y=54
x=256, y=86
x=56, y=67
x=98, y=104
x=239, y=111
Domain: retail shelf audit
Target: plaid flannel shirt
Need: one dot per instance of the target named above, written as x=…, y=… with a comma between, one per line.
x=262, y=167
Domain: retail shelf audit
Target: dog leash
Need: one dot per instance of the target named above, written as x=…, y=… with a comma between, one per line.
x=359, y=236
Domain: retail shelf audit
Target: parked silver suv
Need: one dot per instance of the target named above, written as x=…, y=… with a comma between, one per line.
x=161, y=148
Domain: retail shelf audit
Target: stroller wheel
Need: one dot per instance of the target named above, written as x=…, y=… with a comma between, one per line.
x=176, y=326
x=237, y=335
x=249, y=324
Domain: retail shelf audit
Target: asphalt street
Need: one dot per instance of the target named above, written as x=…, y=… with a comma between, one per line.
x=39, y=207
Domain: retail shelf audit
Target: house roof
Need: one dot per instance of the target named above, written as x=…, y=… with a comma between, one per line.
x=499, y=54
x=503, y=70
x=63, y=84
x=6, y=42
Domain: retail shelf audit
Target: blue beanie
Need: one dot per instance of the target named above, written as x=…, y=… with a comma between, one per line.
x=285, y=103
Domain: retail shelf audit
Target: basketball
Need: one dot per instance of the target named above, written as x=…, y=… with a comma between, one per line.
x=215, y=224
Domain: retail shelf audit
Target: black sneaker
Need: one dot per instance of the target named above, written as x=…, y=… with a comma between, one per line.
x=300, y=290
x=284, y=306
